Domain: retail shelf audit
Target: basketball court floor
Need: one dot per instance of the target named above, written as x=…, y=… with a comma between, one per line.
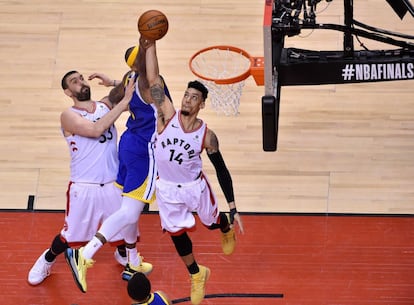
x=328, y=216
x=281, y=259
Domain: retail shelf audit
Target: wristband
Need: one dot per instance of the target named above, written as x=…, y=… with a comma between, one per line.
x=114, y=83
x=233, y=212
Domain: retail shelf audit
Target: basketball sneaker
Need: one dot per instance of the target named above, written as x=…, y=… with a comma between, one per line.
x=122, y=260
x=228, y=241
x=129, y=270
x=198, y=284
x=40, y=270
x=78, y=265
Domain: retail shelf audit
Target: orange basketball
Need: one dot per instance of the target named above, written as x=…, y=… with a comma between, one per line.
x=153, y=24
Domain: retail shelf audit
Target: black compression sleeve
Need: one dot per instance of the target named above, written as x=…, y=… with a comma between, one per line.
x=223, y=175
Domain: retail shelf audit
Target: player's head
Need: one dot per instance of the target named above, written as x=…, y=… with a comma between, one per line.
x=194, y=98
x=131, y=55
x=64, y=82
x=200, y=87
x=75, y=86
x=139, y=287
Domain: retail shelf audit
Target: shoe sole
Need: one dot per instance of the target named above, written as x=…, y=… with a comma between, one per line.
x=126, y=276
x=73, y=269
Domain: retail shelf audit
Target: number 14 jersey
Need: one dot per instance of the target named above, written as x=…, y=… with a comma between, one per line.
x=177, y=152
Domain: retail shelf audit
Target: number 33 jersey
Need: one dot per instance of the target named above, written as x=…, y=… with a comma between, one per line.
x=177, y=152
x=93, y=160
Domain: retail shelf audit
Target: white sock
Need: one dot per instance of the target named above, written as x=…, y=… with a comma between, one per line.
x=91, y=248
x=133, y=257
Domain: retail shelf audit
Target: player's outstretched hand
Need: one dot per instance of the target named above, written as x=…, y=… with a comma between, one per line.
x=237, y=222
x=104, y=79
x=129, y=90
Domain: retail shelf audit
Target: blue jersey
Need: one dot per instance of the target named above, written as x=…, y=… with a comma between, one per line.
x=142, y=117
x=155, y=299
x=137, y=171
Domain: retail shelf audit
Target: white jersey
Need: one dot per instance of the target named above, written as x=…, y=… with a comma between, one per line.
x=94, y=160
x=182, y=187
x=177, y=153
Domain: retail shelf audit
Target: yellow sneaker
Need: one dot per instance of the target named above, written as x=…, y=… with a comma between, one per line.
x=228, y=241
x=129, y=270
x=198, y=285
x=78, y=265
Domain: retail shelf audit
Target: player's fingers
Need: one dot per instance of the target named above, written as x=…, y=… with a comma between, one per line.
x=92, y=76
x=239, y=222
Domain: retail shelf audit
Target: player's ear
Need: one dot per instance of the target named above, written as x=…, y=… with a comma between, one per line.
x=203, y=104
x=68, y=92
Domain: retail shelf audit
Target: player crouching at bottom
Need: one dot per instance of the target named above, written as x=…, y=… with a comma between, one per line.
x=139, y=290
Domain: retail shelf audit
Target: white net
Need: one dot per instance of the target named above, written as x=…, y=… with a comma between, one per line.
x=222, y=64
x=224, y=98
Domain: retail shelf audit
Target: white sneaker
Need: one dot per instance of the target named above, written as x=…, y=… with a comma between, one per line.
x=40, y=270
x=122, y=260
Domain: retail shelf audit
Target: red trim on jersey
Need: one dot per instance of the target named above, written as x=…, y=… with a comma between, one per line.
x=166, y=123
x=93, y=110
x=107, y=105
x=204, y=139
x=68, y=198
x=213, y=202
x=189, y=131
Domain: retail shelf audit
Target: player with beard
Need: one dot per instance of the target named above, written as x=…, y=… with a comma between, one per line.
x=89, y=130
x=136, y=175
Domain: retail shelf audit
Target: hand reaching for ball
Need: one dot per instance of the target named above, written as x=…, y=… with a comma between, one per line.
x=153, y=25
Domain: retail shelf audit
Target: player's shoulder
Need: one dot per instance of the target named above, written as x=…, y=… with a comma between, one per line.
x=68, y=112
x=163, y=296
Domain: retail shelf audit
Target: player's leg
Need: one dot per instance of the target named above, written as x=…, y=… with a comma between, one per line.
x=111, y=201
x=43, y=265
x=177, y=219
x=207, y=212
x=199, y=274
x=76, y=211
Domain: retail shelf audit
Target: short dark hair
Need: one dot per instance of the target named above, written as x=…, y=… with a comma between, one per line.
x=64, y=83
x=198, y=86
x=139, y=287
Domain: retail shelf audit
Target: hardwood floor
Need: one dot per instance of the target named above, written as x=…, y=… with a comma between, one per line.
x=341, y=149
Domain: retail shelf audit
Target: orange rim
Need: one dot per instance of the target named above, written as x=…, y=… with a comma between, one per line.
x=223, y=81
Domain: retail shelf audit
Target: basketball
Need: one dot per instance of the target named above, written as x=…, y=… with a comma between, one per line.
x=153, y=24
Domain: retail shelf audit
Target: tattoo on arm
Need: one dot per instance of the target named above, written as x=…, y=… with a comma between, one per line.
x=160, y=116
x=213, y=143
x=157, y=93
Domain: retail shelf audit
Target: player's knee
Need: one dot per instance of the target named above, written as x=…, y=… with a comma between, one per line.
x=183, y=244
x=130, y=218
x=59, y=245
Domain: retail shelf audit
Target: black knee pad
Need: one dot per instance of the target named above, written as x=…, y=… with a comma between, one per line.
x=59, y=245
x=182, y=244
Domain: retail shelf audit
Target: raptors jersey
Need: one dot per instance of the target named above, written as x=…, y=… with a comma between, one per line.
x=93, y=160
x=177, y=153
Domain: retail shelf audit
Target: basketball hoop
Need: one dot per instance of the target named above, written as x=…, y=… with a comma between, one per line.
x=223, y=70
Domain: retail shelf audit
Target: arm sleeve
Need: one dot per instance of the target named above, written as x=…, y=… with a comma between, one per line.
x=223, y=175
